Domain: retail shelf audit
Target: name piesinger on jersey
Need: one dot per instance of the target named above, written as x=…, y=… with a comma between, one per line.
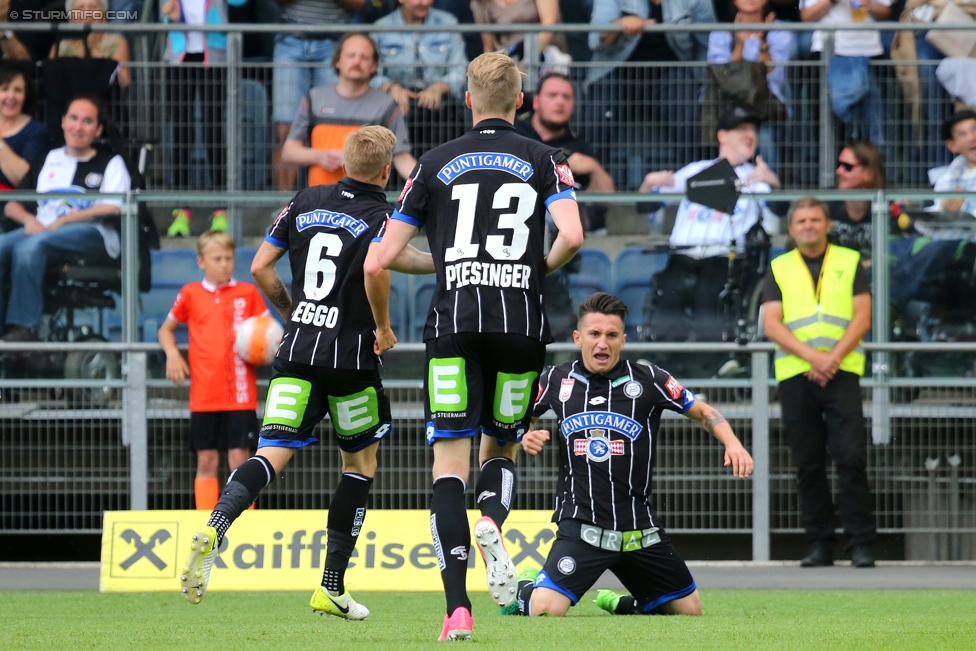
x=591, y=419
x=485, y=161
x=492, y=274
x=331, y=219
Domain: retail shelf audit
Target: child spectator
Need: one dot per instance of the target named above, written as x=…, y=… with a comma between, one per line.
x=223, y=394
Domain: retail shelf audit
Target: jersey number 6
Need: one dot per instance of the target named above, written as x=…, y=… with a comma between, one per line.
x=320, y=271
x=467, y=197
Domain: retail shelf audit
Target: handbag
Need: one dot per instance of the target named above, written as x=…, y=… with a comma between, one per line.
x=742, y=83
x=955, y=43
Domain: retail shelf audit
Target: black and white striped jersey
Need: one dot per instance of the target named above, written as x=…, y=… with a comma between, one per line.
x=607, y=428
x=327, y=230
x=483, y=200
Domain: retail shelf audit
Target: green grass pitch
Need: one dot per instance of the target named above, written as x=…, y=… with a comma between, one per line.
x=895, y=620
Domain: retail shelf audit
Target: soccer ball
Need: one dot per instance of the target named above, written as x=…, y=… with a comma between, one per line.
x=257, y=340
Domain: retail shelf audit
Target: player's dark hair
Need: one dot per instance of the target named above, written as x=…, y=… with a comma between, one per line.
x=603, y=303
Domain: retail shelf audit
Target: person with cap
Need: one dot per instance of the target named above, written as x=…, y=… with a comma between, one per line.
x=816, y=309
x=959, y=133
x=702, y=236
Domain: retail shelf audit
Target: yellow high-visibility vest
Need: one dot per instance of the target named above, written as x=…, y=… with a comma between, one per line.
x=817, y=314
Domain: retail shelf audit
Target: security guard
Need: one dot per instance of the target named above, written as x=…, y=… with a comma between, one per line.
x=817, y=301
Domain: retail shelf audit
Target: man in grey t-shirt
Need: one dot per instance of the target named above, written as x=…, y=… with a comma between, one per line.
x=327, y=114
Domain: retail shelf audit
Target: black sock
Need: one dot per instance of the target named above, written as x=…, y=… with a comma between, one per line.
x=239, y=493
x=347, y=511
x=524, y=596
x=452, y=539
x=626, y=606
x=496, y=488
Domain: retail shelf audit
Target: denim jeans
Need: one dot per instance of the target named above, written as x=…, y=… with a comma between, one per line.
x=26, y=257
x=291, y=81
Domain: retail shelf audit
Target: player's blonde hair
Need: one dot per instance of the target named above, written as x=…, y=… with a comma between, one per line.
x=368, y=151
x=220, y=238
x=494, y=82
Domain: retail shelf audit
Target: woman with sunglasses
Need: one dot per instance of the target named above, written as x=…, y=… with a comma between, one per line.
x=860, y=166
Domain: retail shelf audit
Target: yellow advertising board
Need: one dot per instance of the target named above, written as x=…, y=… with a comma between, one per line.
x=143, y=551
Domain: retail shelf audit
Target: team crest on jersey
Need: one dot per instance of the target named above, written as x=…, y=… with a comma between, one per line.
x=565, y=175
x=598, y=448
x=93, y=180
x=566, y=389
x=674, y=388
x=633, y=390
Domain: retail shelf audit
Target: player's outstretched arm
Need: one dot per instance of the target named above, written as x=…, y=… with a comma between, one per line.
x=413, y=261
x=377, y=281
x=176, y=367
x=396, y=237
x=565, y=214
x=715, y=424
x=268, y=280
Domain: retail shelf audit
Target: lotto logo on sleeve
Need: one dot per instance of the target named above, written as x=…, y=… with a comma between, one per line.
x=447, y=387
x=287, y=400
x=512, y=395
x=354, y=413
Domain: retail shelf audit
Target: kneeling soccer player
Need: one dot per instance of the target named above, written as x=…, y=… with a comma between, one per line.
x=327, y=361
x=609, y=414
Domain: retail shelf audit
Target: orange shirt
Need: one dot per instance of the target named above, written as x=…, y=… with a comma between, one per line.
x=219, y=379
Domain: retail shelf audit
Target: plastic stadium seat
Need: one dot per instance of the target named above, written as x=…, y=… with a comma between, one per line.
x=578, y=291
x=175, y=266
x=595, y=270
x=637, y=266
x=242, y=264
x=156, y=304
x=399, y=309
x=422, y=294
x=635, y=296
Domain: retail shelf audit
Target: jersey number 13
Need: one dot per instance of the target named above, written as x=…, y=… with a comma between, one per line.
x=467, y=197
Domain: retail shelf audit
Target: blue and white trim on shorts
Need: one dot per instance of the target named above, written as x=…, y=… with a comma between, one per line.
x=286, y=443
x=660, y=601
x=543, y=581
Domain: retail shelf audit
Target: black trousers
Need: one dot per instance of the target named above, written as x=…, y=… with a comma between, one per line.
x=685, y=299
x=183, y=83
x=829, y=419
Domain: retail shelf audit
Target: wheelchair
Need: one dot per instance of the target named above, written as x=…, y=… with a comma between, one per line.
x=89, y=283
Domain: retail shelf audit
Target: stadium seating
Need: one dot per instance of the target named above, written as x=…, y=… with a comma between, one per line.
x=174, y=266
x=633, y=271
x=594, y=275
x=399, y=304
x=422, y=293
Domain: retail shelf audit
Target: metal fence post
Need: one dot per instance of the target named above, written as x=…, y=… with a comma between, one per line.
x=760, y=455
x=135, y=430
x=530, y=60
x=881, y=326
x=827, y=146
x=235, y=52
x=130, y=269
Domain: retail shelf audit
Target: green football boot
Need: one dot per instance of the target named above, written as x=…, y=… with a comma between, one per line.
x=196, y=573
x=218, y=221
x=342, y=606
x=181, y=224
x=527, y=575
x=607, y=600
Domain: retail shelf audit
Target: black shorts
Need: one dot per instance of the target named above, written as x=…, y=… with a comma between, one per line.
x=653, y=575
x=300, y=396
x=223, y=430
x=481, y=382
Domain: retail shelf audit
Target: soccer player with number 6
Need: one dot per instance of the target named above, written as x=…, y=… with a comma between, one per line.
x=327, y=361
x=483, y=199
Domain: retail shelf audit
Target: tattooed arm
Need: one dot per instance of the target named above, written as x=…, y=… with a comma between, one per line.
x=268, y=280
x=715, y=424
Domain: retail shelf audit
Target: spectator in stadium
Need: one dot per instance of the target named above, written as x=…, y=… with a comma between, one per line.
x=860, y=166
x=223, y=403
x=22, y=138
x=329, y=365
x=773, y=46
x=553, y=106
x=61, y=229
x=183, y=83
x=855, y=93
x=959, y=134
x=11, y=47
x=327, y=114
x=817, y=309
x=424, y=71
x=637, y=112
x=698, y=265
x=530, y=12
x=605, y=517
x=302, y=62
x=98, y=45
